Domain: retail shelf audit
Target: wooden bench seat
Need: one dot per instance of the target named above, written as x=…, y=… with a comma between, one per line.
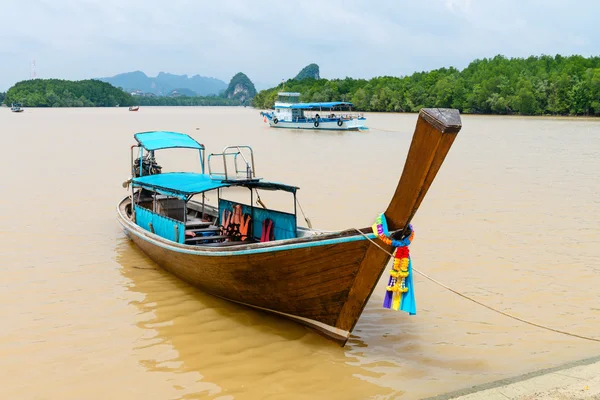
x=226, y=244
x=211, y=228
x=197, y=222
x=201, y=238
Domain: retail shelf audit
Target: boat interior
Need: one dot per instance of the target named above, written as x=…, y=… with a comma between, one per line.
x=174, y=207
x=231, y=223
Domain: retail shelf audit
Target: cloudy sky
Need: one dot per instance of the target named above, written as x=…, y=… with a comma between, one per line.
x=273, y=40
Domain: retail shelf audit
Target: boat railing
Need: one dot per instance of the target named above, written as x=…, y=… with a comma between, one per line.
x=331, y=115
x=242, y=170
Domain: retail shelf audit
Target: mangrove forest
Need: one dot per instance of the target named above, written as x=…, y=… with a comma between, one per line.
x=546, y=85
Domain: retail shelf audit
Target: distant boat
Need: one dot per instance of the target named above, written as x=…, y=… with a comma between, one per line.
x=134, y=108
x=333, y=115
x=16, y=107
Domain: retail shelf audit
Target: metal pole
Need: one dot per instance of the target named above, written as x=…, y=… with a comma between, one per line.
x=295, y=214
x=184, y=212
x=251, y=212
x=141, y=164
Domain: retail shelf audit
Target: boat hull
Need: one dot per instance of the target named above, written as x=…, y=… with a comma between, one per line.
x=316, y=282
x=330, y=125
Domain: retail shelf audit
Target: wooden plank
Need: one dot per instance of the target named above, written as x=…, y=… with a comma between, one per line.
x=434, y=134
x=197, y=222
x=205, y=238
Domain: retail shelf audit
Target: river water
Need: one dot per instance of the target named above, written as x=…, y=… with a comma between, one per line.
x=512, y=220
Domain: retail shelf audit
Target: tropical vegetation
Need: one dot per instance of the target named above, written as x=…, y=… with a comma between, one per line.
x=95, y=93
x=546, y=85
x=62, y=93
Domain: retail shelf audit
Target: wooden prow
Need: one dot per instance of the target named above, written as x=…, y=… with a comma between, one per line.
x=434, y=134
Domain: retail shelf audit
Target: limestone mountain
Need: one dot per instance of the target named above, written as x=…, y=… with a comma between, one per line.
x=240, y=88
x=164, y=83
x=310, y=71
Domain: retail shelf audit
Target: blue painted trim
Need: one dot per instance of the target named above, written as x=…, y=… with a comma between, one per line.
x=354, y=128
x=283, y=247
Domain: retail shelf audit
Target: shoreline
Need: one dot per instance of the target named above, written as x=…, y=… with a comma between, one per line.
x=544, y=116
x=573, y=380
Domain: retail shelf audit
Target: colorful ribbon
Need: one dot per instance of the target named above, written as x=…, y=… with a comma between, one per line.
x=399, y=291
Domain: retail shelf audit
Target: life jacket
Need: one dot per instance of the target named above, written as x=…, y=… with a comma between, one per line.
x=267, y=230
x=244, y=226
x=225, y=221
x=237, y=228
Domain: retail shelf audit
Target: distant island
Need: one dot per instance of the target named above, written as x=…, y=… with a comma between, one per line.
x=95, y=93
x=543, y=85
x=63, y=93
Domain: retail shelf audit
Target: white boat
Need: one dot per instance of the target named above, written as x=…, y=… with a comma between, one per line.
x=333, y=115
x=16, y=107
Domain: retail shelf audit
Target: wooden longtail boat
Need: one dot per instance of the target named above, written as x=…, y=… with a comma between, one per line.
x=320, y=279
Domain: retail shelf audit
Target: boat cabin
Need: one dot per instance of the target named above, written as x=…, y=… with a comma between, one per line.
x=197, y=208
x=288, y=98
x=289, y=109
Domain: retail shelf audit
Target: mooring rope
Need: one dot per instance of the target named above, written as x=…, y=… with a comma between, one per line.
x=480, y=303
x=383, y=130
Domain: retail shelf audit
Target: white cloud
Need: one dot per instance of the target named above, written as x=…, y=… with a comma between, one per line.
x=270, y=40
x=458, y=5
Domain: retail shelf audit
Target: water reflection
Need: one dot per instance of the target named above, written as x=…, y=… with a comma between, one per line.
x=228, y=349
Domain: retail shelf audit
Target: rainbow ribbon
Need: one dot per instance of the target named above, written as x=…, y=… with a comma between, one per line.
x=399, y=293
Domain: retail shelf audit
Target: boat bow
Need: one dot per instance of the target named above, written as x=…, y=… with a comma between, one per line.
x=434, y=134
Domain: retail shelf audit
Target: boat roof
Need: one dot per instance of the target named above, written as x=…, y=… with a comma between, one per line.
x=182, y=184
x=156, y=140
x=313, y=106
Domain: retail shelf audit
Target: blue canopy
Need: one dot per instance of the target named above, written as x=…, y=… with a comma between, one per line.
x=178, y=183
x=156, y=140
x=318, y=106
x=182, y=184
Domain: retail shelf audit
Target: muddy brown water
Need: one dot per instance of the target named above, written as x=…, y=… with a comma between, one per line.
x=513, y=220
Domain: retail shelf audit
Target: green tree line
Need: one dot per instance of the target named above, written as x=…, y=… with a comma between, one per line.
x=94, y=93
x=185, y=101
x=2, y=96
x=63, y=93
x=544, y=85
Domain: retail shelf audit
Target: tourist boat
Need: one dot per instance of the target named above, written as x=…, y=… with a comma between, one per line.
x=289, y=113
x=134, y=108
x=16, y=107
x=247, y=253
